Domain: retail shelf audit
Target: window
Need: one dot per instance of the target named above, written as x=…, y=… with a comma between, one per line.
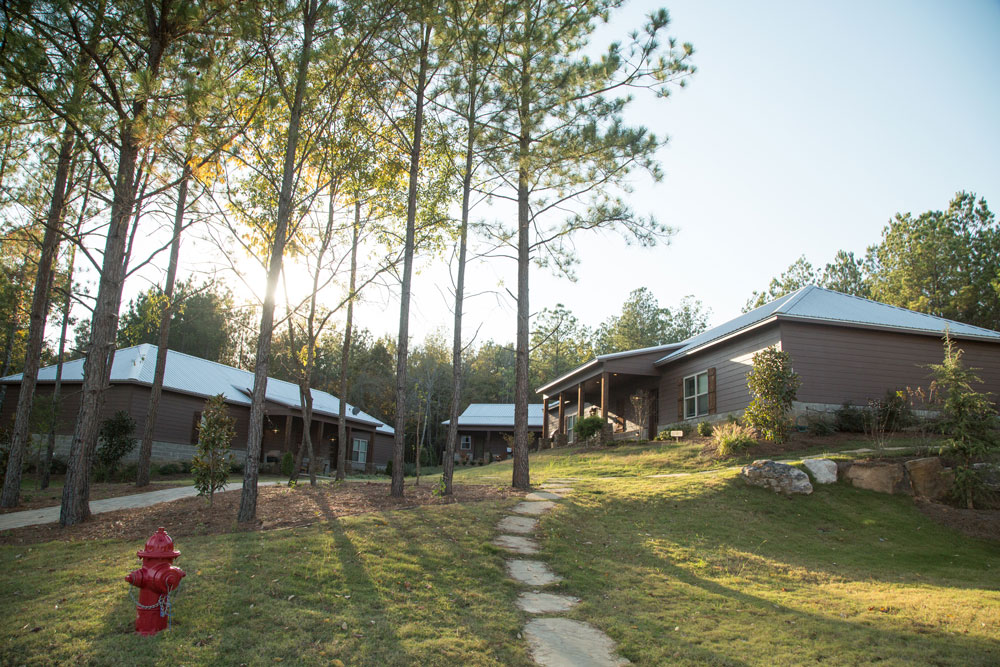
x=696, y=395
x=570, y=428
x=466, y=442
x=359, y=453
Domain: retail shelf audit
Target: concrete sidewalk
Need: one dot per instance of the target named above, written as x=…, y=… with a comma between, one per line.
x=51, y=514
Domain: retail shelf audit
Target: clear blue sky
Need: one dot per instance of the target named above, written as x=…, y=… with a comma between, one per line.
x=807, y=126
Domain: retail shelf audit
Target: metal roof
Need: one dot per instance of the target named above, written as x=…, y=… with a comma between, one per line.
x=194, y=375
x=816, y=304
x=497, y=414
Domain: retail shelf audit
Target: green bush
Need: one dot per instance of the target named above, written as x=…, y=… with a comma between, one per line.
x=772, y=385
x=116, y=441
x=704, y=429
x=818, y=425
x=287, y=464
x=686, y=427
x=850, y=419
x=211, y=464
x=732, y=439
x=970, y=418
x=388, y=467
x=588, y=426
x=236, y=466
x=169, y=469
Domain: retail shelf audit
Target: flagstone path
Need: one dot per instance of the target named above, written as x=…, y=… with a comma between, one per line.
x=554, y=641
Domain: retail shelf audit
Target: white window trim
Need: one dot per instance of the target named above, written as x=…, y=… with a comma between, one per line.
x=571, y=428
x=359, y=455
x=466, y=443
x=696, y=395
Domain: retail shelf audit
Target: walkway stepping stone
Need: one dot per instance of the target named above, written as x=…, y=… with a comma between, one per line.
x=517, y=544
x=542, y=495
x=532, y=572
x=534, y=508
x=560, y=642
x=557, y=488
x=517, y=524
x=545, y=603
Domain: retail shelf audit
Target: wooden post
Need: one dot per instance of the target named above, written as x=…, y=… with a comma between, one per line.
x=562, y=414
x=605, y=382
x=545, y=417
x=579, y=401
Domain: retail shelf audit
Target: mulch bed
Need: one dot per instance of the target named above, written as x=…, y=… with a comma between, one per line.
x=983, y=524
x=34, y=499
x=277, y=507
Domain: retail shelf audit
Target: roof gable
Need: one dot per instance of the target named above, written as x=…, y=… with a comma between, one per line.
x=497, y=414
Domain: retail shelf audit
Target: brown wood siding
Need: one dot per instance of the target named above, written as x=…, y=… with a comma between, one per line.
x=731, y=360
x=842, y=364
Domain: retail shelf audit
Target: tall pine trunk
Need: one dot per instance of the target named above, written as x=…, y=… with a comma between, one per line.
x=402, y=346
x=36, y=323
x=345, y=354
x=248, y=498
x=520, y=477
x=456, y=344
x=163, y=339
x=50, y=445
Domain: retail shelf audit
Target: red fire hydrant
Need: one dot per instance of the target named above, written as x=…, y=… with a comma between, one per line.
x=155, y=580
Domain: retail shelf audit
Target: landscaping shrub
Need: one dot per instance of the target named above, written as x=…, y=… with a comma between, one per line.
x=704, y=429
x=686, y=427
x=970, y=419
x=850, y=419
x=211, y=464
x=58, y=466
x=819, y=425
x=388, y=467
x=772, y=385
x=236, y=466
x=128, y=472
x=409, y=469
x=287, y=464
x=169, y=469
x=732, y=439
x=588, y=426
x=116, y=441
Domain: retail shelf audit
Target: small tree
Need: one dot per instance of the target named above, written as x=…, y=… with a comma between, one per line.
x=116, y=438
x=211, y=464
x=772, y=385
x=968, y=416
x=642, y=409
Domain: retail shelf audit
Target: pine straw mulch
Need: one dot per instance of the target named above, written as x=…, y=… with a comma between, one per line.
x=277, y=507
x=32, y=499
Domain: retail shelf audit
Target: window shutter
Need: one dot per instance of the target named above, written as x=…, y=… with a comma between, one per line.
x=680, y=398
x=195, y=425
x=711, y=391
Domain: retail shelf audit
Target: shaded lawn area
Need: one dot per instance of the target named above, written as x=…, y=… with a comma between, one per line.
x=704, y=569
x=419, y=586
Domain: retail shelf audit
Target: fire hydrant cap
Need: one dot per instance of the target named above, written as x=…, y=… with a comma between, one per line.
x=160, y=545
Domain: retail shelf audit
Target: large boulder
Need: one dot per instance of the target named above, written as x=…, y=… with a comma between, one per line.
x=824, y=471
x=779, y=477
x=929, y=478
x=881, y=477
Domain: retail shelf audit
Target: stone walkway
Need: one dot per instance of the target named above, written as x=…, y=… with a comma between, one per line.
x=554, y=641
x=51, y=514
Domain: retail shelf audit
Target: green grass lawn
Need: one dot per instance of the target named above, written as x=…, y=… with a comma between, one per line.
x=691, y=569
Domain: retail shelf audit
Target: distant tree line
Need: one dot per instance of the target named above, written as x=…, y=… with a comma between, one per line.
x=944, y=263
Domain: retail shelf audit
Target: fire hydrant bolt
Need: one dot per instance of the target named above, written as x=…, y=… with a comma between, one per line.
x=155, y=580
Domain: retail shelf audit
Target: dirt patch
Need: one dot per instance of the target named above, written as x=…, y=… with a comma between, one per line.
x=983, y=524
x=52, y=496
x=277, y=507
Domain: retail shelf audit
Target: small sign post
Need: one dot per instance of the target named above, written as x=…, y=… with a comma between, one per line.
x=677, y=435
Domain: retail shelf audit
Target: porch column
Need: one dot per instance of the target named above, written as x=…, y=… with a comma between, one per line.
x=562, y=414
x=605, y=387
x=288, y=433
x=579, y=401
x=545, y=417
